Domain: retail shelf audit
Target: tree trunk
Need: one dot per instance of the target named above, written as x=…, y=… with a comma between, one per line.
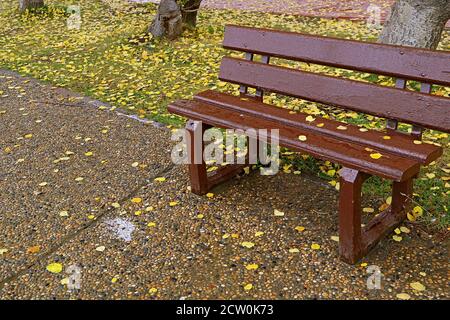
x=416, y=23
x=30, y=4
x=168, y=21
x=190, y=11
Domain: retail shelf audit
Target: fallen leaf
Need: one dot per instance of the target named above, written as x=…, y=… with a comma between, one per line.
x=89, y=154
x=300, y=228
x=136, y=200
x=417, y=211
x=258, y=233
x=368, y=210
x=3, y=251
x=397, y=238
x=247, y=244
x=294, y=250
x=376, y=156
x=160, y=179
x=248, y=287
x=335, y=238
x=404, y=230
x=153, y=291
x=55, y=267
x=64, y=213
x=315, y=246
x=100, y=248
x=115, y=205
x=278, y=213
x=403, y=296
x=417, y=286
x=302, y=138
x=210, y=195
x=34, y=249
x=252, y=266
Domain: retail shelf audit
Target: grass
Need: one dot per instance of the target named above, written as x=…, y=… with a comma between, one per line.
x=107, y=59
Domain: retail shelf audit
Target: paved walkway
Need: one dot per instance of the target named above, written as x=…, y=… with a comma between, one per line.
x=78, y=192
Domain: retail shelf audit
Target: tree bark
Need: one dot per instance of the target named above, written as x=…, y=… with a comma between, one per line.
x=168, y=21
x=190, y=12
x=416, y=23
x=30, y=4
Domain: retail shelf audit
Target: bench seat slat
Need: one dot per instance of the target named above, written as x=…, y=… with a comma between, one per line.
x=324, y=147
x=400, y=143
x=400, y=62
x=393, y=103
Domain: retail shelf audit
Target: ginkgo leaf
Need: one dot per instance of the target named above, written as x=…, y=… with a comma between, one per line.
x=300, y=228
x=368, y=210
x=294, y=250
x=210, y=195
x=342, y=128
x=252, y=266
x=153, y=291
x=89, y=154
x=136, y=200
x=55, y=267
x=248, y=287
x=278, y=213
x=397, y=238
x=115, y=205
x=376, y=156
x=404, y=230
x=100, y=248
x=403, y=296
x=417, y=211
x=247, y=244
x=387, y=138
x=315, y=246
x=417, y=286
x=335, y=238
x=34, y=249
x=160, y=179
x=302, y=138
x=310, y=118
x=259, y=233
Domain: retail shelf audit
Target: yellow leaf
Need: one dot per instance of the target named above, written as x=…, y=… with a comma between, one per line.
x=397, y=231
x=210, y=195
x=100, y=248
x=342, y=128
x=430, y=175
x=376, y=156
x=114, y=280
x=247, y=244
x=320, y=125
x=315, y=246
x=136, y=200
x=387, y=138
x=410, y=217
x=28, y=136
x=3, y=251
x=248, y=287
x=417, y=142
x=200, y=216
x=397, y=238
x=403, y=296
x=278, y=213
x=300, y=228
x=363, y=129
x=153, y=291
x=310, y=118
x=115, y=205
x=151, y=224
x=404, y=230
x=160, y=179
x=258, y=233
x=302, y=138
x=417, y=286
x=417, y=211
x=252, y=266
x=64, y=213
x=294, y=250
x=389, y=200
x=335, y=238
x=135, y=164
x=368, y=210
x=89, y=153
x=55, y=267
x=43, y=184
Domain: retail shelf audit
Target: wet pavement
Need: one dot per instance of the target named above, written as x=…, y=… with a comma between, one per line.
x=79, y=202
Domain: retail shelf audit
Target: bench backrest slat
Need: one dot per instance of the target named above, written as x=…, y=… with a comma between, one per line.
x=387, y=102
x=396, y=61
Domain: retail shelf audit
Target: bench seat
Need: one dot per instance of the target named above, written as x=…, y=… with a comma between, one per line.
x=321, y=145
x=399, y=143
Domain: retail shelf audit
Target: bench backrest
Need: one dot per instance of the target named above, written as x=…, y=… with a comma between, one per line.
x=398, y=104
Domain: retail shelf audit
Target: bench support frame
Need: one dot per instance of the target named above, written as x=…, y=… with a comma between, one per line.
x=201, y=182
x=354, y=241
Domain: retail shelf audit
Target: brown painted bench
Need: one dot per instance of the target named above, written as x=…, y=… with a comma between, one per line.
x=402, y=153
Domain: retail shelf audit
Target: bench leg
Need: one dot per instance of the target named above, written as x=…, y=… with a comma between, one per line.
x=201, y=183
x=197, y=166
x=354, y=241
x=350, y=240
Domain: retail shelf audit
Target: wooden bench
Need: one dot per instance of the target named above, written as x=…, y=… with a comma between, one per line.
x=402, y=154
